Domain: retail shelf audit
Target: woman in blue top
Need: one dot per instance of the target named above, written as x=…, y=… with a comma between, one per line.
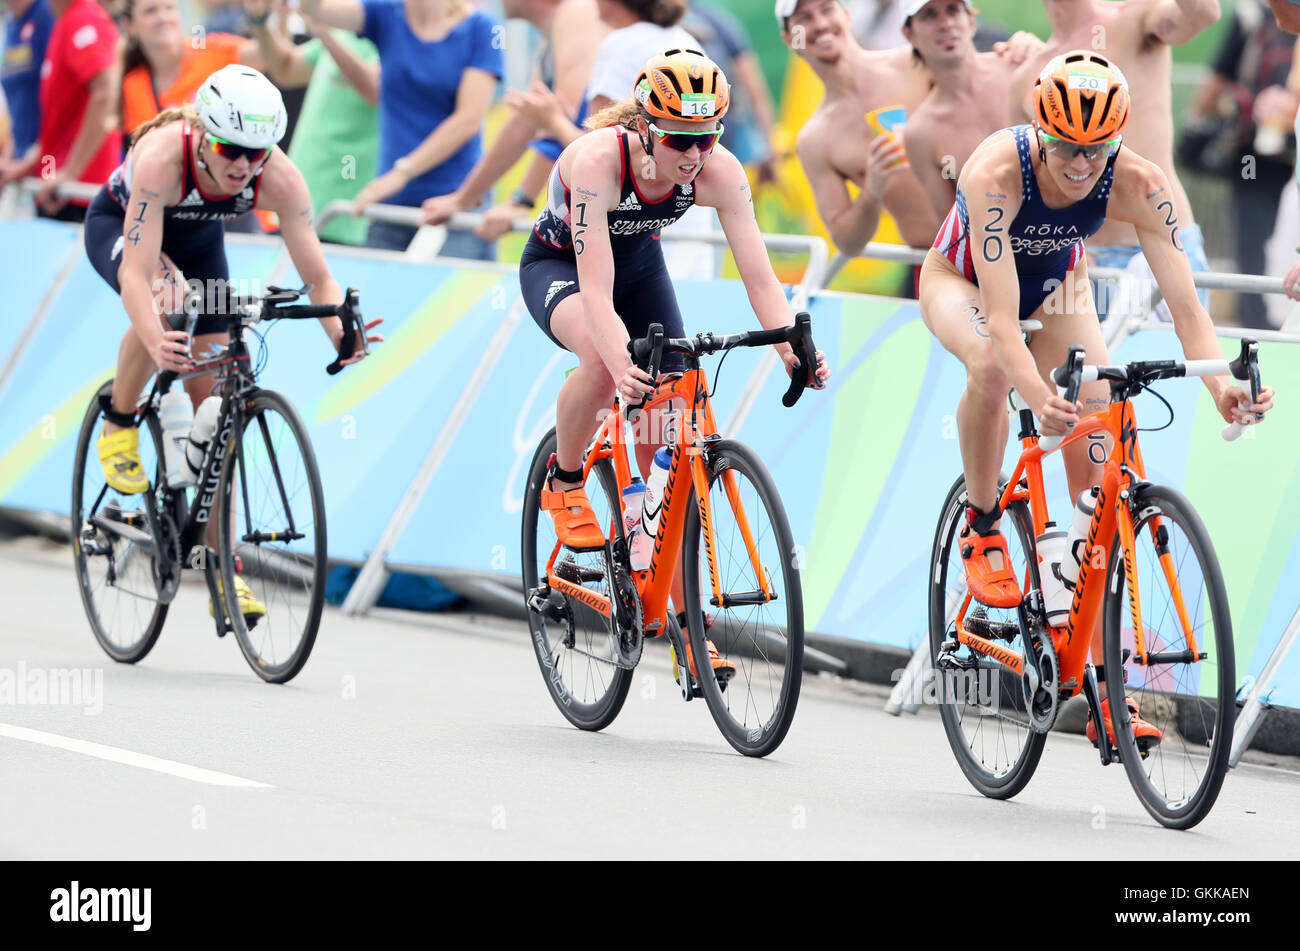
x=1012, y=247
x=440, y=62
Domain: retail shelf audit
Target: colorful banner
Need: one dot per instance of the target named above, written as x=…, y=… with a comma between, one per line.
x=862, y=467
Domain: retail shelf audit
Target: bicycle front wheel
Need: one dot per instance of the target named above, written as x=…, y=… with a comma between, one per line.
x=980, y=700
x=271, y=538
x=574, y=644
x=760, y=635
x=1191, y=702
x=115, y=570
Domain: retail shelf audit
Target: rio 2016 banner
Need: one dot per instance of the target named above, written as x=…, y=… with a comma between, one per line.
x=862, y=466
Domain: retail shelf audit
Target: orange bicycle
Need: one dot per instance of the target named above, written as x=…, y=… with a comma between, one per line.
x=1147, y=565
x=589, y=612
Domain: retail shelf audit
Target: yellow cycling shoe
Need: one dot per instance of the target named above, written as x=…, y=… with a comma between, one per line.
x=252, y=609
x=119, y=453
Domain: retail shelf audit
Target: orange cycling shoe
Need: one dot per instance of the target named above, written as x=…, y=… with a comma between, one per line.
x=723, y=669
x=988, y=565
x=575, y=520
x=1144, y=734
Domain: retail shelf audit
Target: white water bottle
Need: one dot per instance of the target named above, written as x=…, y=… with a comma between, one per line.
x=1056, y=599
x=639, y=544
x=1076, y=541
x=176, y=414
x=654, y=492
x=205, y=424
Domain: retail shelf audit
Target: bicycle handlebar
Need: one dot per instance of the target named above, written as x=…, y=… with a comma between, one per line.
x=647, y=352
x=1073, y=373
x=277, y=304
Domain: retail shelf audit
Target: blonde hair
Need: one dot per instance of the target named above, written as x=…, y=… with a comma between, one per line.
x=620, y=114
x=186, y=112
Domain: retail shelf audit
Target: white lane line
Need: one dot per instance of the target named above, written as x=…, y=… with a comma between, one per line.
x=142, y=760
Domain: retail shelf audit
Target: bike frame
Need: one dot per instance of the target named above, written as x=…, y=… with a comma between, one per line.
x=1123, y=471
x=697, y=429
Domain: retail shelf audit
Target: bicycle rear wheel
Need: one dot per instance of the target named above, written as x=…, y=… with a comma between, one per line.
x=763, y=639
x=980, y=700
x=1192, y=704
x=116, y=574
x=271, y=532
x=574, y=644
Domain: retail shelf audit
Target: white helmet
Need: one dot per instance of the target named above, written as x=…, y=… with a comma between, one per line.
x=241, y=105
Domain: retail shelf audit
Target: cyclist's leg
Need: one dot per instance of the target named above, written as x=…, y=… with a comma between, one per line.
x=953, y=310
x=205, y=268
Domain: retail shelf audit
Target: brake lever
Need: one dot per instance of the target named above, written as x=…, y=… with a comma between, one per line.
x=804, y=351
x=350, y=313
x=656, y=335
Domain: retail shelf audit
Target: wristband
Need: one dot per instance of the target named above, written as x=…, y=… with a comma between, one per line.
x=520, y=197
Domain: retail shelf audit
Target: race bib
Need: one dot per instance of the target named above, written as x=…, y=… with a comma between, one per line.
x=1089, y=82
x=698, y=105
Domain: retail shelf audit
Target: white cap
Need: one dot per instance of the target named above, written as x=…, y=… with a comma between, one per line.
x=786, y=8
x=913, y=7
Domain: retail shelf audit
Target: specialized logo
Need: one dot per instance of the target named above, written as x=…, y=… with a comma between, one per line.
x=629, y=203
x=555, y=288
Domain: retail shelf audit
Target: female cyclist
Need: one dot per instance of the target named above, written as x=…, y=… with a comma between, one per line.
x=593, y=272
x=159, y=223
x=1012, y=248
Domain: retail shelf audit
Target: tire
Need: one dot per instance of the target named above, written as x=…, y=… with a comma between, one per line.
x=990, y=736
x=269, y=481
x=588, y=687
x=124, y=611
x=765, y=642
x=1193, y=705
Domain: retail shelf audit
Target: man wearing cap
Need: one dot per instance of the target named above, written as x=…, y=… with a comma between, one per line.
x=1137, y=36
x=969, y=99
x=836, y=145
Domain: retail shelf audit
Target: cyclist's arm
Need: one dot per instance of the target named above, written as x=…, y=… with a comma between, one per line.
x=595, y=190
x=725, y=186
x=991, y=185
x=154, y=185
x=284, y=192
x=1142, y=197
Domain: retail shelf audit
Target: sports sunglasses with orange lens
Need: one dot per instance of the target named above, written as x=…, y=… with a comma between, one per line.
x=233, y=152
x=682, y=141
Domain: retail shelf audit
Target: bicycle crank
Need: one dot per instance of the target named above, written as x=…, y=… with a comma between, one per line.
x=1040, y=679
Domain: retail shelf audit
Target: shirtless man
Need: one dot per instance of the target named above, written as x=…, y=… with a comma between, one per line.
x=836, y=146
x=1138, y=36
x=970, y=95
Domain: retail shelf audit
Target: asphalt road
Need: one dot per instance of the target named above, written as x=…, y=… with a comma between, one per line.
x=433, y=737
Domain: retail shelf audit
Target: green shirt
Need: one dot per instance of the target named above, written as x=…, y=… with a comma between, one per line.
x=336, y=141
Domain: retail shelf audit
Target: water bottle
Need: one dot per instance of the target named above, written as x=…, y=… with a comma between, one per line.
x=1076, y=541
x=654, y=492
x=176, y=413
x=1056, y=599
x=639, y=544
x=205, y=424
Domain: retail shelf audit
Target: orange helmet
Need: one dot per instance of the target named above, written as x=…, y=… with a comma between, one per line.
x=684, y=85
x=1081, y=97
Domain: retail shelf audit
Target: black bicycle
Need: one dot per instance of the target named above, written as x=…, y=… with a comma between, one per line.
x=258, y=480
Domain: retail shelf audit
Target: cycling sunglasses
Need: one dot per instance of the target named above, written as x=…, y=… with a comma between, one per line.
x=1090, y=153
x=233, y=152
x=682, y=141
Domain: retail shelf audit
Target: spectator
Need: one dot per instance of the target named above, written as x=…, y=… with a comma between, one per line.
x=78, y=139
x=440, y=63
x=1135, y=35
x=1252, y=68
x=836, y=145
x=640, y=29
x=27, y=33
x=969, y=101
x=337, y=142
x=163, y=66
x=553, y=107
x=750, y=119
x=223, y=16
